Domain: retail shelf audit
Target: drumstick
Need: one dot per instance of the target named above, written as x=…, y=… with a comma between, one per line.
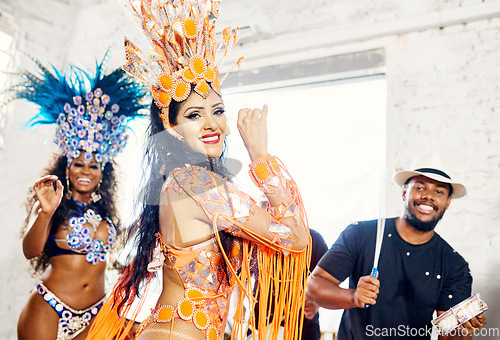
x=378, y=247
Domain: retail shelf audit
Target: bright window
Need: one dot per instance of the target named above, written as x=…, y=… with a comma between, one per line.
x=332, y=139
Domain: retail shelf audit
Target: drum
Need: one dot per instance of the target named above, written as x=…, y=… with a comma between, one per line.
x=459, y=314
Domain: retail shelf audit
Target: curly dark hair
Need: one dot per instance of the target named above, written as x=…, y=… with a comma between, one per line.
x=163, y=154
x=107, y=203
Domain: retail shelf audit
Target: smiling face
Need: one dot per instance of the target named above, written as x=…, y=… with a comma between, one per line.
x=426, y=200
x=202, y=123
x=84, y=177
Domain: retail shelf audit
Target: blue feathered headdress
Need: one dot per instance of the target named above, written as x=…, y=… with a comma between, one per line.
x=91, y=112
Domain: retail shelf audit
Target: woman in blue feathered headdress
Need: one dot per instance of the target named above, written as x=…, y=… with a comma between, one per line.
x=72, y=222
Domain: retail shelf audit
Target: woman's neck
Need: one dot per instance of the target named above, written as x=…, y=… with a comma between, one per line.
x=82, y=198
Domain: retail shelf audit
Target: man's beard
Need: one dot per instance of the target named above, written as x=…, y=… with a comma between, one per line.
x=421, y=225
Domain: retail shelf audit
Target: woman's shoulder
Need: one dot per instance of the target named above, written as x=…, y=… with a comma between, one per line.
x=195, y=170
x=193, y=175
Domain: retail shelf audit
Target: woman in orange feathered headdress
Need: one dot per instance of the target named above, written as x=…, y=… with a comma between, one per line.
x=196, y=227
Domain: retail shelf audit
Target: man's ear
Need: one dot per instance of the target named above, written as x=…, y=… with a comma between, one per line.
x=404, y=191
x=448, y=202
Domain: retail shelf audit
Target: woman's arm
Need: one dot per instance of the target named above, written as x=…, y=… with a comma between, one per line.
x=229, y=209
x=41, y=215
x=285, y=208
x=283, y=223
x=269, y=175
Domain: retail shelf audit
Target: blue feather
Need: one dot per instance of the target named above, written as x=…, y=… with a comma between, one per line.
x=92, y=127
x=50, y=89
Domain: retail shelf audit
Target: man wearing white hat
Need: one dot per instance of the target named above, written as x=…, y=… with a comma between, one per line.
x=418, y=272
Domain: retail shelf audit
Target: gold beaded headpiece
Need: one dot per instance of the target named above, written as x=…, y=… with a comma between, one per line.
x=184, y=50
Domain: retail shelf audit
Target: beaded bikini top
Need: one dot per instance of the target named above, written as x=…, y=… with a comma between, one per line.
x=84, y=221
x=207, y=287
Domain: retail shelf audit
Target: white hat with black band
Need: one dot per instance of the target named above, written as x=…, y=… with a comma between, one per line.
x=431, y=166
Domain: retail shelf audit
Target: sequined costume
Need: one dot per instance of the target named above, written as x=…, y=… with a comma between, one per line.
x=205, y=297
x=83, y=222
x=200, y=311
x=91, y=113
x=71, y=322
x=199, y=277
x=83, y=226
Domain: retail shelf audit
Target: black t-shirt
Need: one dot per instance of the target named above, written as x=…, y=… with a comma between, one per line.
x=415, y=280
x=311, y=329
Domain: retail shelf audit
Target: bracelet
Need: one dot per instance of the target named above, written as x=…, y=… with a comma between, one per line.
x=264, y=169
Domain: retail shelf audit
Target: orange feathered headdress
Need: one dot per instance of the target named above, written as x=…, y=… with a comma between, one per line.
x=184, y=50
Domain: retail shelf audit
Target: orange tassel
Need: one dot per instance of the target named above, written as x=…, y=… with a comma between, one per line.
x=108, y=323
x=281, y=287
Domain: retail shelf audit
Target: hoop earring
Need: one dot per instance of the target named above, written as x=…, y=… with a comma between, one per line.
x=228, y=132
x=69, y=193
x=96, y=195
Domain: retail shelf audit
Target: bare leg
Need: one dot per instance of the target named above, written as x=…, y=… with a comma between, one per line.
x=38, y=320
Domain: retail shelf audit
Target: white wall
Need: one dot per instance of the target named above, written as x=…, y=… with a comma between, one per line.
x=444, y=95
x=442, y=71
